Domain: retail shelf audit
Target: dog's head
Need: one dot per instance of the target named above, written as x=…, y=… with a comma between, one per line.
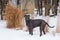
x=27, y=17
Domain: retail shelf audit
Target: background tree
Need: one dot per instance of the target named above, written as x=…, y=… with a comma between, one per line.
x=38, y=5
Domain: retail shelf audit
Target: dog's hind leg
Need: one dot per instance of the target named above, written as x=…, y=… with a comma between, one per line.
x=43, y=28
x=40, y=31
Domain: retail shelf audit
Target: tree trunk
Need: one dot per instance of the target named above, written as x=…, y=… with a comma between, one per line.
x=1, y=10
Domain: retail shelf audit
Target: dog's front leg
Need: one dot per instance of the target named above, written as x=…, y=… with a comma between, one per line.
x=30, y=31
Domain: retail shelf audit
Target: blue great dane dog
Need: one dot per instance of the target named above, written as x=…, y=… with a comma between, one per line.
x=33, y=23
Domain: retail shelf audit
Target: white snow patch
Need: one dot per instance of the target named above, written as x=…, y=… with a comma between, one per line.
x=11, y=34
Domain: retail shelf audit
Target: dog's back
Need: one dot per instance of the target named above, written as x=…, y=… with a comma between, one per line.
x=35, y=22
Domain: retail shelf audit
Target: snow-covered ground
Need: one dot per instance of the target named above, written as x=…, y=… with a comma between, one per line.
x=12, y=34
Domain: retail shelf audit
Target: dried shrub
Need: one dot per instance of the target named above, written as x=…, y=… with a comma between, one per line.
x=13, y=16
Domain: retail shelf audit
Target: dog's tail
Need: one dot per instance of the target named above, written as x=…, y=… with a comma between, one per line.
x=50, y=26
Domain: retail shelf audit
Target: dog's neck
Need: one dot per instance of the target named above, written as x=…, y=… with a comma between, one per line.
x=27, y=22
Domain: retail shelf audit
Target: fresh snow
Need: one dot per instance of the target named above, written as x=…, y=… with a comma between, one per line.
x=12, y=34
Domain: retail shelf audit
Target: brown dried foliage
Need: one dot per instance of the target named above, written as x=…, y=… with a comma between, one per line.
x=13, y=16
